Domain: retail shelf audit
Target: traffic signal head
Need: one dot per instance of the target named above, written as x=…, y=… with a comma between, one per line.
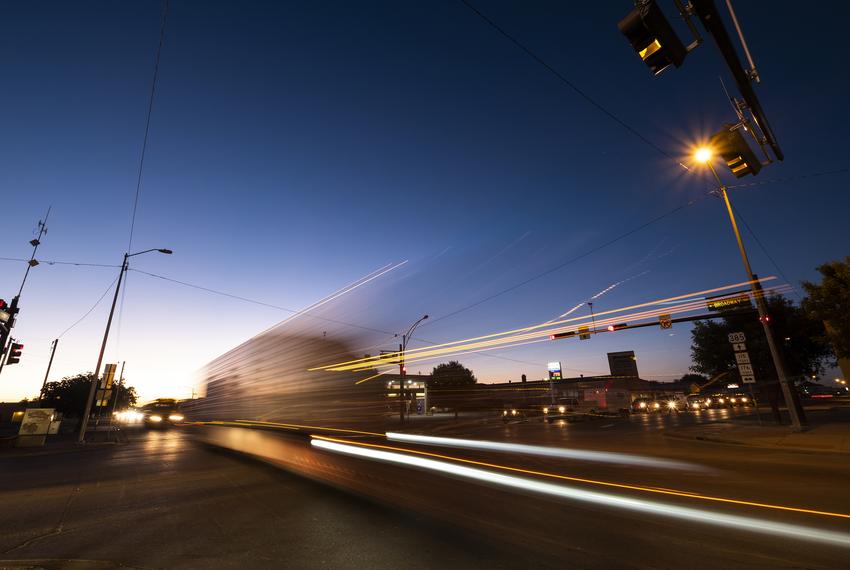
x=733, y=148
x=14, y=353
x=618, y=326
x=652, y=37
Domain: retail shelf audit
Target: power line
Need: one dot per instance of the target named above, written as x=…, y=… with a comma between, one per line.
x=53, y=262
x=766, y=253
x=789, y=178
x=576, y=258
x=256, y=302
x=580, y=92
x=78, y=321
x=163, y=20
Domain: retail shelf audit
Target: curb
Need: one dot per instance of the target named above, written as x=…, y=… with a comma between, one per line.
x=62, y=450
x=790, y=448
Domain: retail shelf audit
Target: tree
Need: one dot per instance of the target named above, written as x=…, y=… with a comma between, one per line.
x=451, y=375
x=691, y=382
x=830, y=302
x=800, y=337
x=69, y=395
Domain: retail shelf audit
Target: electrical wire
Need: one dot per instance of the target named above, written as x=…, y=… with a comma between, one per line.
x=574, y=259
x=789, y=178
x=87, y=313
x=163, y=20
x=580, y=92
x=52, y=262
x=256, y=302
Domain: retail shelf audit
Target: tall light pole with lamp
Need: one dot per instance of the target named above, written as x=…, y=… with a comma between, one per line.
x=93, y=387
x=798, y=419
x=402, y=371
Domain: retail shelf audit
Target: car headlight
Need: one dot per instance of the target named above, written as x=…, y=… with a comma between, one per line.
x=744, y=399
x=656, y=405
x=671, y=404
x=733, y=400
x=545, y=410
x=504, y=412
x=155, y=418
x=720, y=400
x=562, y=409
x=513, y=412
x=642, y=404
x=175, y=418
x=695, y=405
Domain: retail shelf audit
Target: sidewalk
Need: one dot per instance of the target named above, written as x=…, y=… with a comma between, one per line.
x=65, y=443
x=825, y=433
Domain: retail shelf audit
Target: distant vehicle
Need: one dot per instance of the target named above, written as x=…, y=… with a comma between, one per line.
x=646, y=405
x=717, y=401
x=510, y=414
x=740, y=400
x=696, y=402
x=820, y=392
x=669, y=403
x=161, y=414
x=561, y=410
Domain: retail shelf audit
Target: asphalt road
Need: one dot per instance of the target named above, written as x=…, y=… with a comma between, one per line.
x=164, y=500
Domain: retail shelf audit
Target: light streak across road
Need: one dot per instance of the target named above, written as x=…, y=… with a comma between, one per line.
x=545, y=451
x=390, y=455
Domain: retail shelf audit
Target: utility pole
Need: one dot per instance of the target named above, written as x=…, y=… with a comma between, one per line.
x=798, y=416
x=6, y=329
x=93, y=386
x=54, y=344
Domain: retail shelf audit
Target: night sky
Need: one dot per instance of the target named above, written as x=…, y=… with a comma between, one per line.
x=295, y=147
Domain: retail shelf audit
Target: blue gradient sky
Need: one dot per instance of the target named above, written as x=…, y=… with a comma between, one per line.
x=295, y=148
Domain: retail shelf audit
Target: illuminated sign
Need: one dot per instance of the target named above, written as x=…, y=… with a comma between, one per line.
x=554, y=370
x=720, y=304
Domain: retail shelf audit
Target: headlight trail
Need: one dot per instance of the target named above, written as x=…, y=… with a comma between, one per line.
x=521, y=332
x=583, y=455
x=422, y=354
x=567, y=492
x=656, y=490
x=350, y=287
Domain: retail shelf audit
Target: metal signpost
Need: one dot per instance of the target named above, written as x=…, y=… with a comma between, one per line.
x=745, y=365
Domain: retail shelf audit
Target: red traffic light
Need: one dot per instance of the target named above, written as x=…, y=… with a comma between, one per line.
x=14, y=353
x=619, y=326
x=3, y=304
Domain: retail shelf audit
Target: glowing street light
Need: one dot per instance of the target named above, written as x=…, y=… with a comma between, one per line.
x=703, y=155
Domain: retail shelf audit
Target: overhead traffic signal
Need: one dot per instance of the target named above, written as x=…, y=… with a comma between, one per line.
x=652, y=37
x=14, y=353
x=733, y=148
x=617, y=327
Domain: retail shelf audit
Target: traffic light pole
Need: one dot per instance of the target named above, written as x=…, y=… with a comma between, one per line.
x=93, y=387
x=798, y=418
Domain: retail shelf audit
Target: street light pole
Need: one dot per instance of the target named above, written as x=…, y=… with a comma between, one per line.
x=798, y=418
x=402, y=373
x=93, y=387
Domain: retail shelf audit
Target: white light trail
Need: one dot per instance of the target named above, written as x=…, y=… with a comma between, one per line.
x=750, y=524
x=579, y=454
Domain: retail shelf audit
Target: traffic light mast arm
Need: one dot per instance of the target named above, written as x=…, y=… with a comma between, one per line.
x=710, y=17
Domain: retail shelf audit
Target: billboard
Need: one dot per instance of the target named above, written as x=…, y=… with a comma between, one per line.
x=554, y=370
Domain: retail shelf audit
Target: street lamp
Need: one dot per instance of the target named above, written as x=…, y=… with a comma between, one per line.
x=401, y=369
x=798, y=419
x=92, y=389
